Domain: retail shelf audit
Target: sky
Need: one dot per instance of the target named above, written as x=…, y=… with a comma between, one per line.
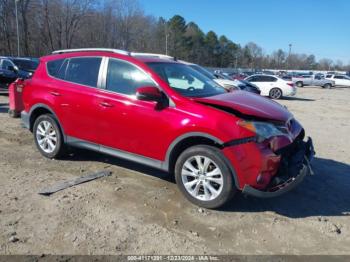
x=319, y=27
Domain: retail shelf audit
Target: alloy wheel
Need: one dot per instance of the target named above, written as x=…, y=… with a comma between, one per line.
x=202, y=178
x=276, y=93
x=46, y=136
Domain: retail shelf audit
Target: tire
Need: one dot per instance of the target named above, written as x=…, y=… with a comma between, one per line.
x=299, y=84
x=209, y=193
x=46, y=129
x=327, y=86
x=13, y=114
x=275, y=93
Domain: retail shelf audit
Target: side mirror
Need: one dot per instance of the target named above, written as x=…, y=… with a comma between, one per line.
x=149, y=93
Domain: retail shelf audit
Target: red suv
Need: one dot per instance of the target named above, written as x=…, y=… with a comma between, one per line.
x=164, y=114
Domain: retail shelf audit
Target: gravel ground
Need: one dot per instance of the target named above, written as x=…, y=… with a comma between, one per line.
x=139, y=210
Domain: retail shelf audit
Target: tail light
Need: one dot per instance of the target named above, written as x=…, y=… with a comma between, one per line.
x=291, y=84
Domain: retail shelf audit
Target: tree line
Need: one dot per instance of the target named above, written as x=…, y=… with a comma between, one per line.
x=47, y=25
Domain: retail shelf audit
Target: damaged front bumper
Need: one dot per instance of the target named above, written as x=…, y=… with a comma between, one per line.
x=295, y=165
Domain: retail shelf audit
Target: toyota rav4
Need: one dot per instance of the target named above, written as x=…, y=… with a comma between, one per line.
x=164, y=114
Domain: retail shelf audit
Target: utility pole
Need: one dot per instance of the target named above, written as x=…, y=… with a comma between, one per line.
x=166, y=39
x=290, y=51
x=17, y=28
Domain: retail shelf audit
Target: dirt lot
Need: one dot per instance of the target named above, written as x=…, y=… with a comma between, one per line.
x=139, y=210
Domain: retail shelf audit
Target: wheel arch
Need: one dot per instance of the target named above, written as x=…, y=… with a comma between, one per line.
x=41, y=109
x=187, y=140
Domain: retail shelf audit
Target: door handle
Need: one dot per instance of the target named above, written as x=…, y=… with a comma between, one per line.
x=55, y=93
x=106, y=104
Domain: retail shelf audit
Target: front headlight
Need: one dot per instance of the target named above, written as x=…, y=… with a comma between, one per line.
x=264, y=130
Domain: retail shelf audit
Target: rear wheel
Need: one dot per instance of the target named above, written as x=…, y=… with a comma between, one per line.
x=203, y=176
x=275, y=93
x=48, y=136
x=299, y=84
x=328, y=86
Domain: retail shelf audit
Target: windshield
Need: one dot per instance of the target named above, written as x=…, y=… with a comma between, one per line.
x=203, y=71
x=187, y=81
x=26, y=65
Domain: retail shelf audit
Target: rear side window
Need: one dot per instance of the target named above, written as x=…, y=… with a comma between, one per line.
x=328, y=76
x=125, y=78
x=82, y=70
x=54, y=66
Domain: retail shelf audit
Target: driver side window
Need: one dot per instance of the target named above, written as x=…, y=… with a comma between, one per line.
x=125, y=78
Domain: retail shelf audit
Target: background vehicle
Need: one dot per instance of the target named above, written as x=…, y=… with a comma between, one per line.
x=12, y=68
x=247, y=86
x=273, y=86
x=214, y=142
x=339, y=80
x=238, y=76
x=312, y=80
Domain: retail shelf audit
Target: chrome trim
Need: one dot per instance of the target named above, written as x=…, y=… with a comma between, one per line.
x=110, y=50
x=151, y=55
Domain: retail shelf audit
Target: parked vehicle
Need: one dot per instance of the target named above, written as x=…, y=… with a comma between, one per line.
x=165, y=114
x=12, y=68
x=312, y=80
x=247, y=86
x=273, y=86
x=238, y=76
x=219, y=78
x=339, y=80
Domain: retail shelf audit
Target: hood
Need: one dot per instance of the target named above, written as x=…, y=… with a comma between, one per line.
x=249, y=104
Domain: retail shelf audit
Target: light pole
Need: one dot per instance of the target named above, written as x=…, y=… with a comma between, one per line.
x=17, y=27
x=290, y=51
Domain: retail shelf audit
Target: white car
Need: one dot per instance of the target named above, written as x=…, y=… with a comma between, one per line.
x=273, y=86
x=339, y=80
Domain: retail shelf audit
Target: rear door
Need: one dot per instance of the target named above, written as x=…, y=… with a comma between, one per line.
x=73, y=88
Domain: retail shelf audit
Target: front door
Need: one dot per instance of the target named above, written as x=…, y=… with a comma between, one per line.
x=127, y=124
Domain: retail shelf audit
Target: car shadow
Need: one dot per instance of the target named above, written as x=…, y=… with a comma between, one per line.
x=327, y=193
x=4, y=108
x=297, y=99
x=77, y=154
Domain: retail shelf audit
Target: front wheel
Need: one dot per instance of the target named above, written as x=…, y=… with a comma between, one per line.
x=203, y=177
x=275, y=93
x=48, y=136
x=327, y=86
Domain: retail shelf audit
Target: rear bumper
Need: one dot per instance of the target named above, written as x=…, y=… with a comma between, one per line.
x=294, y=168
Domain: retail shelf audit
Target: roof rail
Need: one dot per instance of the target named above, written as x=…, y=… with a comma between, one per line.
x=152, y=55
x=117, y=51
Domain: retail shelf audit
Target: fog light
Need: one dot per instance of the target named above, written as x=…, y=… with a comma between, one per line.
x=260, y=179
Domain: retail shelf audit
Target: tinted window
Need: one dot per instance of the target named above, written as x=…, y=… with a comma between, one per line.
x=267, y=79
x=252, y=79
x=83, y=70
x=54, y=66
x=328, y=76
x=125, y=78
x=6, y=64
x=26, y=65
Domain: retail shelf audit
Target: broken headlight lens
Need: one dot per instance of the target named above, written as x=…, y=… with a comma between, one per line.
x=263, y=130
